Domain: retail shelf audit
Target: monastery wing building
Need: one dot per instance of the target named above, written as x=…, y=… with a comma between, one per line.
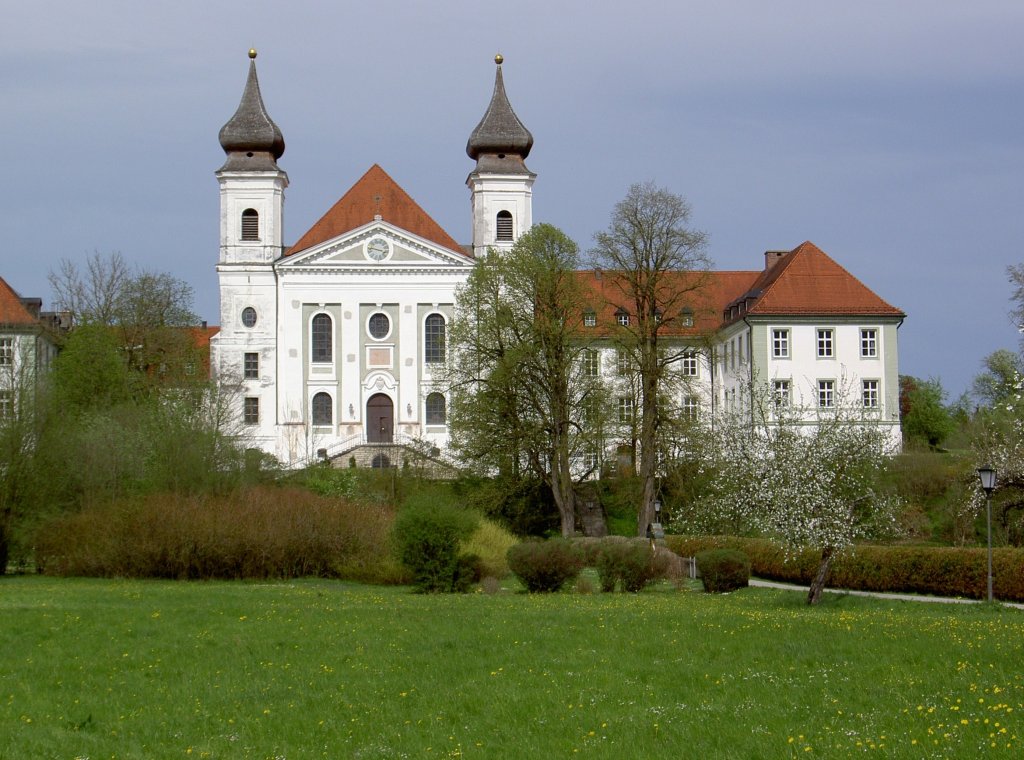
x=335, y=341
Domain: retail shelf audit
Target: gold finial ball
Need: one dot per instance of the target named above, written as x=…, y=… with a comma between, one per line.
x=252, y=52
x=499, y=58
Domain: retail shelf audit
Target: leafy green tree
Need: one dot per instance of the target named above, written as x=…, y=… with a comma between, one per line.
x=519, y=395
x=925, y=416
x=658, y=267
x=1001, y=379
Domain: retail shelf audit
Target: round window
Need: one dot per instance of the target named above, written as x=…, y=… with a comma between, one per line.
x=379, y=326
x=249, y=316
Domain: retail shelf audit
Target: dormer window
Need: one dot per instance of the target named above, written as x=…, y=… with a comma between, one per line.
x=687, y=317
x=250, y=225
x=504, y=227
x=622, y=318
x=590, y=319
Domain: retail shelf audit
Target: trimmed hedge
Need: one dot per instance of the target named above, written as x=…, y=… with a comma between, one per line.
x=723, y=570
x=629, y=563
x=545, y=566
x=945, y=571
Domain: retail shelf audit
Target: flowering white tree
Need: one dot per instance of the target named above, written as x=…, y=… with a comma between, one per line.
x=810, y=486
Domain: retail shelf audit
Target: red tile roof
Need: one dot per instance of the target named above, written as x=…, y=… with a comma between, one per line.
x=803, y=281
x=375, y=193
x=201, y=335
x=808, y=281
x=12, y=310
x=710, y=292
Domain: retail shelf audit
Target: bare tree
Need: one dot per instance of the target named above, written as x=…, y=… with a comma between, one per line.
x=659, y=267
x=91, y=294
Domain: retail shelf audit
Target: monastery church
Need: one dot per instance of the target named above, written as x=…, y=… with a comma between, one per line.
x=335, y=340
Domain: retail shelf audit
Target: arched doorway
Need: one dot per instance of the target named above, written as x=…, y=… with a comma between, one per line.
x=380, y=419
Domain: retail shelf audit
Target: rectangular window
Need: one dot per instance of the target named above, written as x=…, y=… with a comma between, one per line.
x=826, y=394
x=251, y=367
x=589, y=319
x=6, y=405
x=687, y=319
x=691, y=407
x=591, y=363
x=781, y=393
x=869, y=394
x=590, y=460
x=732, y=354
x=780, y=344
x=739, y=348
x=622, y=318
x=826, y=344
x=625, y=410
x=869, y=343
x=622, y=362
x=251, y=413
x=690, y=366
x=6, y=352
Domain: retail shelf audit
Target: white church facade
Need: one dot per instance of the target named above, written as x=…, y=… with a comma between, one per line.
x=335, y=340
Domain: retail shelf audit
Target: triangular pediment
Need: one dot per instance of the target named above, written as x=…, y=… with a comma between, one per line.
x=376, y=247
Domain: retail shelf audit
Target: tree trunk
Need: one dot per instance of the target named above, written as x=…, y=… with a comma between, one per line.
x=818, y=584
x=562, y=490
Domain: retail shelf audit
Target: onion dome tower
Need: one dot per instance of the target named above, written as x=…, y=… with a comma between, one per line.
x=251, y=215
x=251, y=183
x=501, y=186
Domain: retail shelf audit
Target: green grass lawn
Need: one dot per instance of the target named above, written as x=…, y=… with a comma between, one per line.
x=133, y=669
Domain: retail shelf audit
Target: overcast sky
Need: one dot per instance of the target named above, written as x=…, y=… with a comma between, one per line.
x=891, y=134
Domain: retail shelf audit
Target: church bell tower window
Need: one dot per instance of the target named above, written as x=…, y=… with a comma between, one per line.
x=250, y=225
x=504, y=226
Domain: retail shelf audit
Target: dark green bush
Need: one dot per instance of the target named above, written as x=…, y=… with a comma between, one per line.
x=545, y=566
x=947, y=571
x=428, y=539
x=723, y=570
x=629, y=563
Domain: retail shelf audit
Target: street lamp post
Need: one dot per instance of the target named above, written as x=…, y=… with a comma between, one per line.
x=988, y=483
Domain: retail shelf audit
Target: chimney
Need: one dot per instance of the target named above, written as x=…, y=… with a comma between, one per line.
x=771, y=258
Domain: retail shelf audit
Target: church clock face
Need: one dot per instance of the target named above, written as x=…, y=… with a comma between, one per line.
x=378, y=249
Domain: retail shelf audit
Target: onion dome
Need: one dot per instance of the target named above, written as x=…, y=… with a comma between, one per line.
x=500, y=141
x=251, y=138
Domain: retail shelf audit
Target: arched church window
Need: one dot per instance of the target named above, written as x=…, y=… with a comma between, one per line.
x=250, y=224
x=322, y=329
x=436, y=411
x=504, y=226
x=434, y=339
x=322, y=409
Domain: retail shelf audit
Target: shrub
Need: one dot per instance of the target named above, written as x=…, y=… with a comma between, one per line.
x=545, y=566
x=428, y=539
x=629, y=563
x=261, y=532
x=723, y=570
x=491, y=542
